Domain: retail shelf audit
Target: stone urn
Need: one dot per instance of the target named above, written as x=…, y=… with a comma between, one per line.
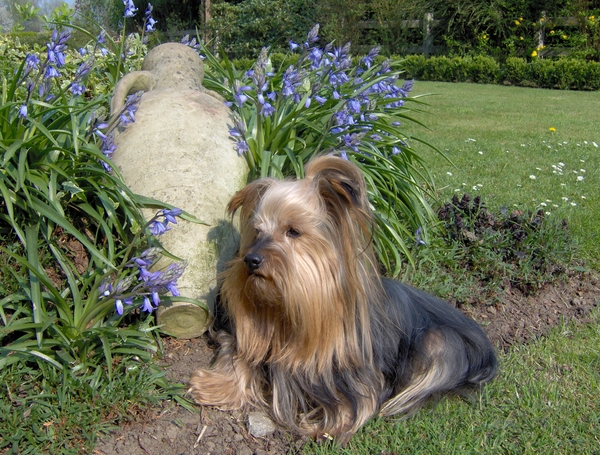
x=179, y=151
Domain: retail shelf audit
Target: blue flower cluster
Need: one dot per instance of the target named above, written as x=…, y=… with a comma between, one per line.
x=353, y=97
x=150, y=284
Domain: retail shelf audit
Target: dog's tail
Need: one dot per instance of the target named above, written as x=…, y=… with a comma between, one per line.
x=440, y=350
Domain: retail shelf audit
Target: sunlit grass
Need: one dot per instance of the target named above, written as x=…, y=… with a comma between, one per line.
x=507, y=144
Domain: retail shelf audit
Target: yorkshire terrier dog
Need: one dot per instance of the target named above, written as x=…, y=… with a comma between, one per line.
x=316, y=335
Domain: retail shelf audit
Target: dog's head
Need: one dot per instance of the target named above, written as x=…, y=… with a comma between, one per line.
x=298, y=229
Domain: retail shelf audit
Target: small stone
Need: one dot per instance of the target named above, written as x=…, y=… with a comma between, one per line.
x=259, y=425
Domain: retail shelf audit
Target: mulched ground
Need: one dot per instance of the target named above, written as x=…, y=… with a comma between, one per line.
x=172, y=430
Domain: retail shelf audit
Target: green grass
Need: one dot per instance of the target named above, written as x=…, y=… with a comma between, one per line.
x=44, y=410
x=497, y=137
x=545, y=401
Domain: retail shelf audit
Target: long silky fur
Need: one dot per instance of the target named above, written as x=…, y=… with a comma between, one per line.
x=317, y=335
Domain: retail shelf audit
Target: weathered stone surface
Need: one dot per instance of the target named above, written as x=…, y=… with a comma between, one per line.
x=179, y=151
x=259, y=425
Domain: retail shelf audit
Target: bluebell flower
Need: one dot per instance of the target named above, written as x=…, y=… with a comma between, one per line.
x=147, y=306
x=119, y=306
x=239, y=96
x=155, y=299
x=354, y=106
x=170, y=214
x=293, y=46
x=150, y=22
x=395, y=150
x=32, y=61
x=313, y=36
x=267, y=110
x=172, y=288
x=56, y=48
x=130, y=8
x=158, y=228
x=77, y=89
x=84, y=69
x=23, y=111
x=369, y=59
x=239, y=129
x=241, y=147
x=51, y=72
x=320, y=99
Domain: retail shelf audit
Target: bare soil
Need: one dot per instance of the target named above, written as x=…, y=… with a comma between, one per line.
x=172, y=430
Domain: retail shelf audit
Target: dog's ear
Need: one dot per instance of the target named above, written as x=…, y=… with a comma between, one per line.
x=247, y=198
x=339, y=180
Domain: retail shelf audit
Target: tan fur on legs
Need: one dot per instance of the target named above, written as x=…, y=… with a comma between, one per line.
x=229, y=384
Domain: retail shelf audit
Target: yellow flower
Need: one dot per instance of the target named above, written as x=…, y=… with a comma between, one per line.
x=592, y=18
x=484, y=36
x=552, y=32
x=564, y=37
x=521, y=38
x=517, y=23
x=521, y=19
x=534, y=54
x=552, y=129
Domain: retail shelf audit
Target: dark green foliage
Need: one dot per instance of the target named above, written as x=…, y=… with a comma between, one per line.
x=477, y=252
x=245, y=28
x=564, y=73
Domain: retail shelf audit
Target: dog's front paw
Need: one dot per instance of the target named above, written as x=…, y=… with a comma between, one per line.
x=214, y=388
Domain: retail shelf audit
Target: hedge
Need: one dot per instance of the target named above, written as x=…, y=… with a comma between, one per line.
x=566, y=74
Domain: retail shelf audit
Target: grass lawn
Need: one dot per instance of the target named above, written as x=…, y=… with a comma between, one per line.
x=500, y=142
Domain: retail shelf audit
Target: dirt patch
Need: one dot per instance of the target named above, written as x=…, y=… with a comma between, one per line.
x=172, y=430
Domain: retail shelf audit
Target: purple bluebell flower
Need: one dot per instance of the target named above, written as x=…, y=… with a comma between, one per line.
x=77, y=89
x=396, y=150
x=170, y=214
x=369, y=59
x=130, y=9
x=32, y=61
x=56, y=48
x=23, y=111
x=267, y=110
x=147, y=306
x=119, y=307
x=241, y=147
x=239, y=96
x=293, y=45
x=158, y=227
x=150, y=22
x=354, y=105
x=51, y=72
x=320, y=99
x=239, y=128
x=155, y=299
x=313, y=36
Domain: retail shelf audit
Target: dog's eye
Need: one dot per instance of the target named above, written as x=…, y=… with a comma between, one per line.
x=291, y=232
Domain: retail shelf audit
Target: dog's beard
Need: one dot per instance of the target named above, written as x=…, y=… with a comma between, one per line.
x=262, y=291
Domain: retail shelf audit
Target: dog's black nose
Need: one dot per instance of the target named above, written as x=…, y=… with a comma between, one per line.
x=253, y=261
